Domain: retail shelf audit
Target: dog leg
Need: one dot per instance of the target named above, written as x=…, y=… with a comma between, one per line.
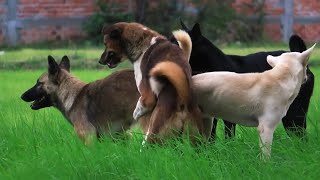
x=146, y=102
x=266, y=136
x=85, y=131
x=229, y=129
x=142, y=108
x=213, y=131
x=208, y=125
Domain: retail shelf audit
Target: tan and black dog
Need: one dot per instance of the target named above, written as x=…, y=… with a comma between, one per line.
x=162, y=74
x=101, y=107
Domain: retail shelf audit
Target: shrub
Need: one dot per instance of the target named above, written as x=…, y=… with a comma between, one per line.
x=108, y=13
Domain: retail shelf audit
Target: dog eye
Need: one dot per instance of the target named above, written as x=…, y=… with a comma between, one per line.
x=111, y=53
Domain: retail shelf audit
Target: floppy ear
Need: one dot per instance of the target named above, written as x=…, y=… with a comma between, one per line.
x=196, y=29
x=305, y=55
x=53, y=66
x=65, y=63
x=183, y=26
x=272, y=61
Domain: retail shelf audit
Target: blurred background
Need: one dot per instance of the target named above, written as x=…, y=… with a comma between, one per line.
x=30, y=30
x=224, y=21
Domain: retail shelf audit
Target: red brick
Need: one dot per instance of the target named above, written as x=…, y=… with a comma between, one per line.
x=1, y=38
x=273, y=31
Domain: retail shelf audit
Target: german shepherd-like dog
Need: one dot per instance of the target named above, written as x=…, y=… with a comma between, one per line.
x=162, y=74
x=100, y=107
x=206, y=57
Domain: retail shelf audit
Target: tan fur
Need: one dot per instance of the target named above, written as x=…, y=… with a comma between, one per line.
x=175, y=75
x=184, y=41
x=254, y=99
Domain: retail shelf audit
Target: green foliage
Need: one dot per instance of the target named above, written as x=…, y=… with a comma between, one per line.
x=164, y=18
x=107, y=14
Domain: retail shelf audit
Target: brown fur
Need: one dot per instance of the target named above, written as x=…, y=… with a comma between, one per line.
x=156, y=60
x=101, y=107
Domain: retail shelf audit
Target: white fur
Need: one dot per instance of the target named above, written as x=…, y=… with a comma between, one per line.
x=155, y=85
x=137, y=71
x=153, y=40
x=253, y=99
x=140, y=110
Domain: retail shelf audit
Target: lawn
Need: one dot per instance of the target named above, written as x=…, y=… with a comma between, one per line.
x=42, y=144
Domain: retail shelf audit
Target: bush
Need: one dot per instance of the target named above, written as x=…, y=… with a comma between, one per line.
x=108, y=13
x=221, y=22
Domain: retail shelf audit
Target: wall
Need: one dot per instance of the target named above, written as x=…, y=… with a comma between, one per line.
x=30, y=21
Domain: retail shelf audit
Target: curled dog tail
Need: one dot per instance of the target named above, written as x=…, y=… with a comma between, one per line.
x=184, y=42
x=176, y=76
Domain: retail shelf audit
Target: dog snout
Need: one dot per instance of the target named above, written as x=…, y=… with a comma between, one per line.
x=103, y=58
x=31, y=94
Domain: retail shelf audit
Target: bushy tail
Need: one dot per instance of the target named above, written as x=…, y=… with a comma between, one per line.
x=296, y=44
x=184, y=41
x=175, y=76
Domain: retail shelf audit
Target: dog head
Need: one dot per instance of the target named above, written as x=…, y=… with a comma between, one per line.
x=296, y=61
x=41, y=94
x=114, y=50
x=203, y=52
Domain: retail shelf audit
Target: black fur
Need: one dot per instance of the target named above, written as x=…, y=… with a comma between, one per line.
x=205, y=57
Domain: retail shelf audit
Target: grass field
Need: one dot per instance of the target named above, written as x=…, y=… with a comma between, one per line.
x=42, y=144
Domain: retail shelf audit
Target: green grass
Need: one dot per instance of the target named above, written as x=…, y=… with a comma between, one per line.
x=86, y=57
x=42, y=145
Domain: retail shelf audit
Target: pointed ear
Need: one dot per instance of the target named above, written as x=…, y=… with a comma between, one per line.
x=272, y=61
x=183, y=26
x=65, y=63
x=53, y=66
x=305, y=55
x=196, y=29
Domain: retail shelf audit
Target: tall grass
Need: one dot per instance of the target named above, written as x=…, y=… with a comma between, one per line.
x=42, y=145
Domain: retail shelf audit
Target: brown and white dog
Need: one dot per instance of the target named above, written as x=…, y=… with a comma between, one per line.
x=162, y=74
x=94, y=108
x=254, y=99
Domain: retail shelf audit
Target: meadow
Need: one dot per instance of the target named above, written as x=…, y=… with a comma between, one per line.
x=42, y=144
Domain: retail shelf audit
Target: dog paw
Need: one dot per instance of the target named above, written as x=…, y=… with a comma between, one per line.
x=139, y=111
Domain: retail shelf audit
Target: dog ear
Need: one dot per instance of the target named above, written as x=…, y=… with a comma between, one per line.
x=305, y=55
x=296, y=44
x=65, y=63
x=272, y=61
x=196, y=29
x=183, y=26
x=53, y=66
x=115, y=33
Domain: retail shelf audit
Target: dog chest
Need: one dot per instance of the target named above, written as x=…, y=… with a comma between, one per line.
x=137, y=71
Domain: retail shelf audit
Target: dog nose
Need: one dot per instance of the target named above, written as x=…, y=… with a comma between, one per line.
x=24, y=97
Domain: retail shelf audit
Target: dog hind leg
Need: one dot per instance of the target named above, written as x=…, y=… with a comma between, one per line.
x=229, y=129
x=266, y=135
x=214, y=129
x=85, y=131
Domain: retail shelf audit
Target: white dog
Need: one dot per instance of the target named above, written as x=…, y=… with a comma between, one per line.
x=254, y=99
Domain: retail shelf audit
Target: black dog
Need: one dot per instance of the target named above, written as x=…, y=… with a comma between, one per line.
x=205, y=57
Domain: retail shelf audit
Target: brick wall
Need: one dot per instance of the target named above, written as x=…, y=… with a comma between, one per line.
x=309, y=32
x=55, y=8
x=3, y=12
x=64, y=10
